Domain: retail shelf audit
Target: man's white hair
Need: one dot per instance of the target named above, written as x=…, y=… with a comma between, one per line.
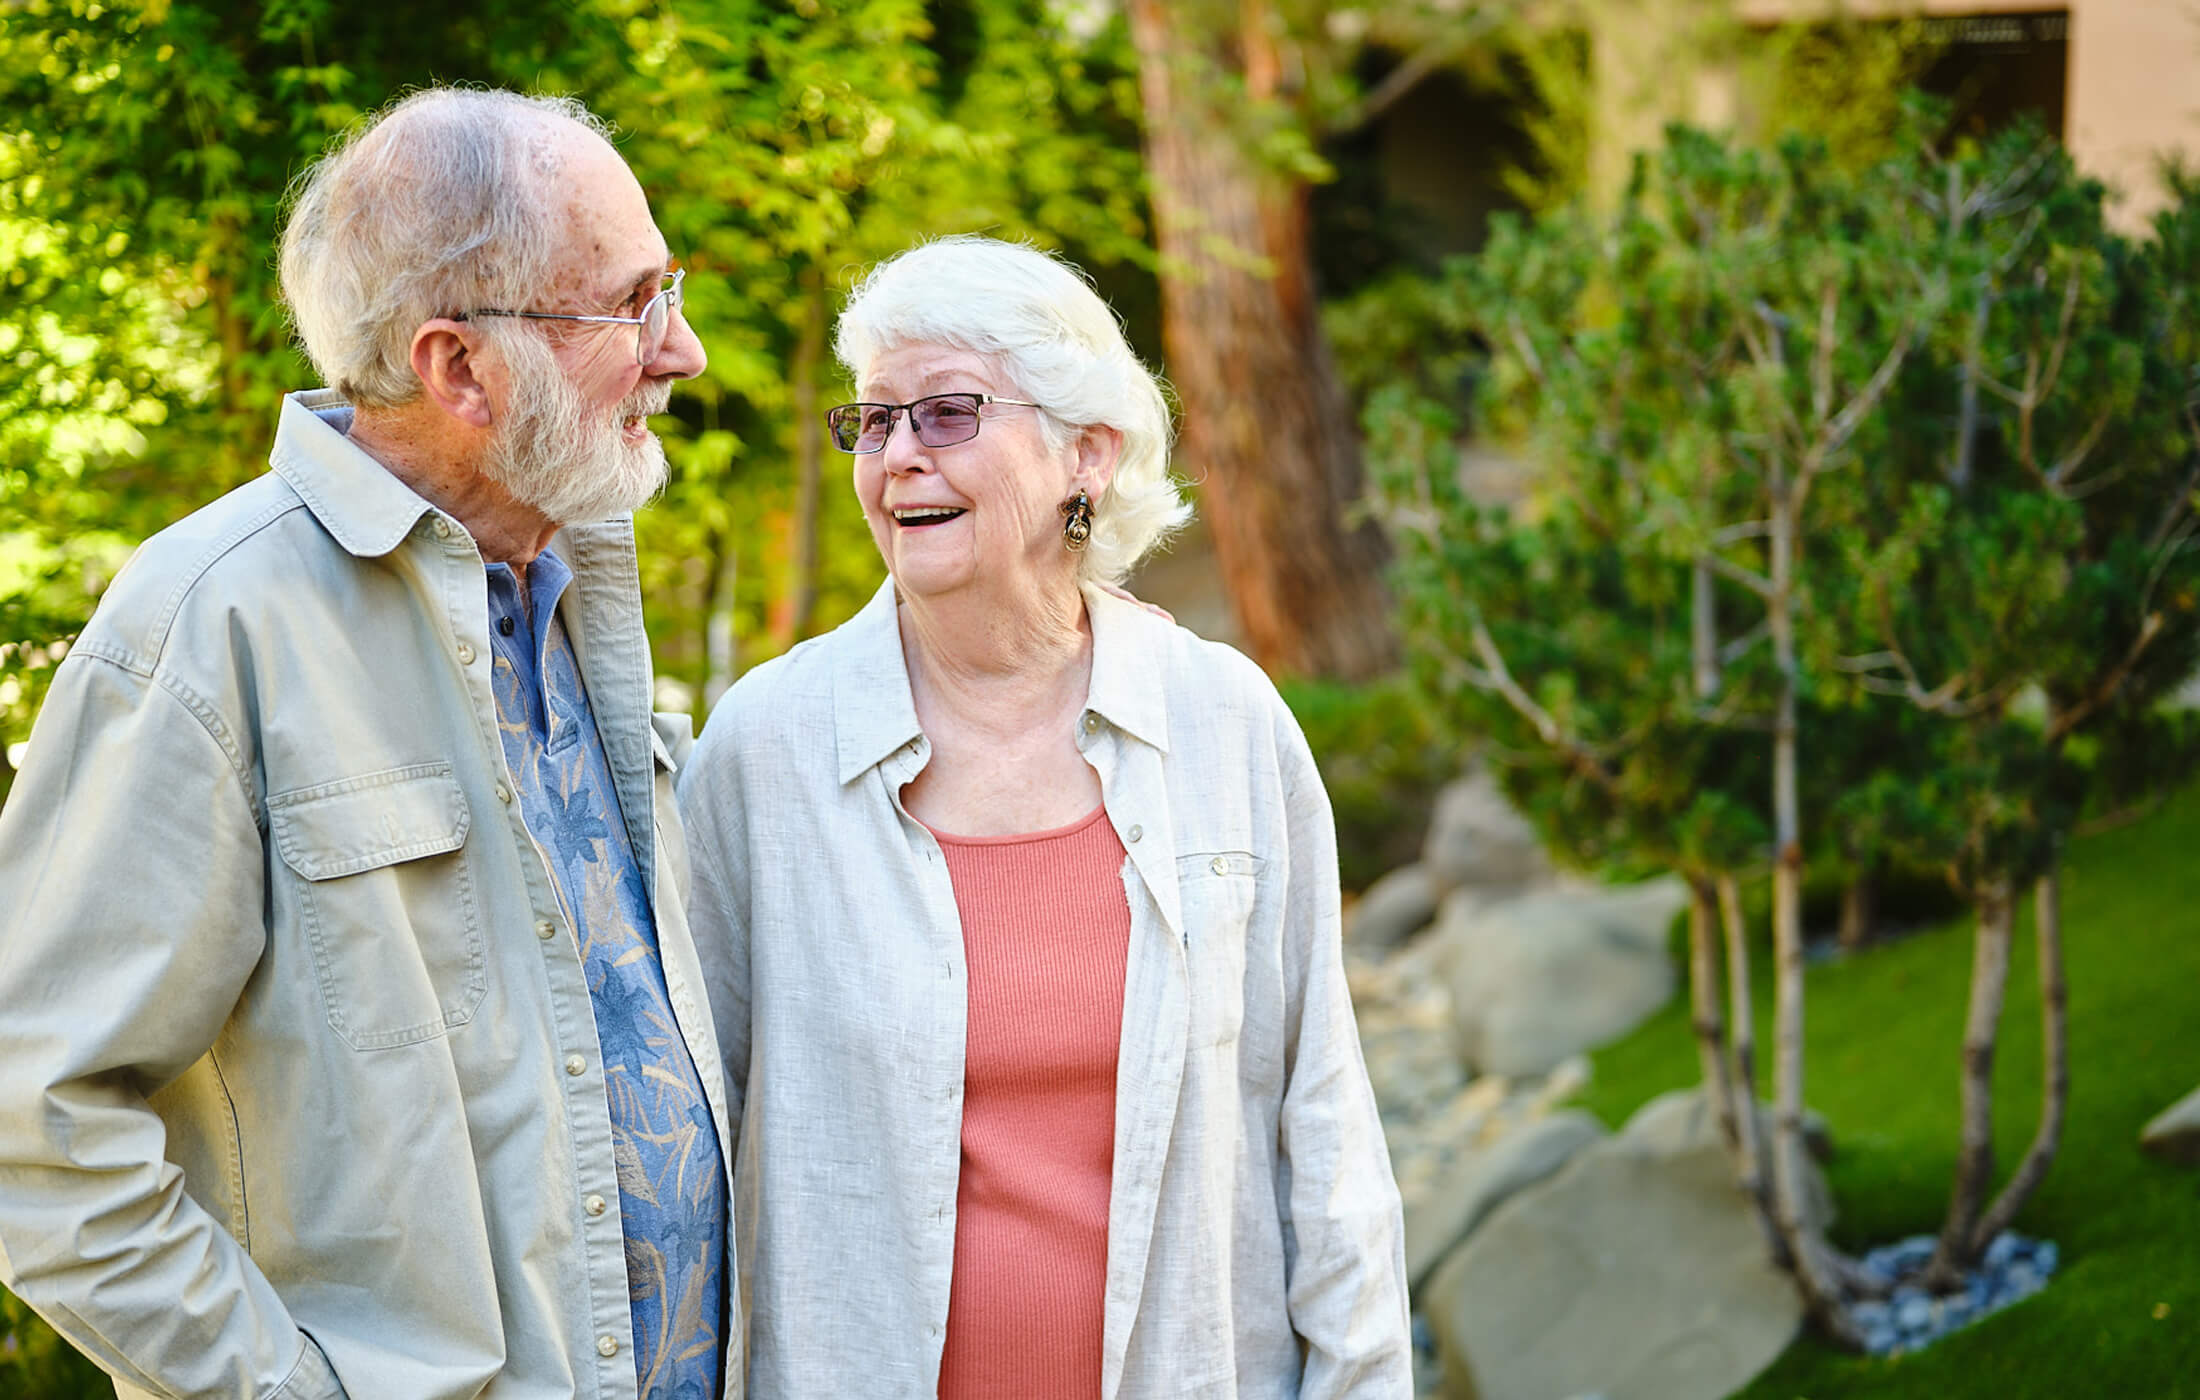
x=442, y=203
x=1040, y=321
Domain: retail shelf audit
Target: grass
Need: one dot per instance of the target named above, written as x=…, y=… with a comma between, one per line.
x=2122, y=1315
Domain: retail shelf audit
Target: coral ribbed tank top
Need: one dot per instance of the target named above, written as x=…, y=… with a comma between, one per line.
x=1046, y=933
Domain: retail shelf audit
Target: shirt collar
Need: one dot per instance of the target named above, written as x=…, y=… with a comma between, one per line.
x=874, y=712
x=357, y=500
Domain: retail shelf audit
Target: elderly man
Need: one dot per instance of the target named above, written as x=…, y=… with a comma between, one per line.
x=352, y=1036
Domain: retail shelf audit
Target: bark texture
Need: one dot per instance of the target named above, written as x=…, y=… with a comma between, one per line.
x=2055, y=1070
x=1267, y=427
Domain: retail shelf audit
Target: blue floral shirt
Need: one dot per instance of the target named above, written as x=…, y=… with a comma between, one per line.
x=672, y=1197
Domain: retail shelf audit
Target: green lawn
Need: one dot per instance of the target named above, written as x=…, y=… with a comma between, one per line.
x=2122, y=1314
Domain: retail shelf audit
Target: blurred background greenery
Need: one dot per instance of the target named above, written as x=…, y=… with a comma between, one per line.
x=1336, y=226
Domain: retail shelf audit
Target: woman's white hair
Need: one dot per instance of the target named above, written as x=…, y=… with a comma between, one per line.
x=442, y=203
x=1040, y=321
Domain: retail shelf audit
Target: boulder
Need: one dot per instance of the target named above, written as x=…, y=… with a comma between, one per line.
x=2174, y=1133
x=1473, y=1182
x=1476, y=840
x=1681, y=1122
x=1396, y=906
x=1551, y=973
x=1633, y=1274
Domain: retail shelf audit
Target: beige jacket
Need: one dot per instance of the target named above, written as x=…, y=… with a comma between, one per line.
x=299, y=1086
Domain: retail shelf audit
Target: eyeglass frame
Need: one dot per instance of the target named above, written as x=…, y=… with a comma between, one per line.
x=897, y=411
x=671, y=296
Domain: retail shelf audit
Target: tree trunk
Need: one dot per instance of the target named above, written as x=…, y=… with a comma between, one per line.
x=809, y=454
x=1703, y=998
x=1749, y=1163
x=2055, y=1075
x=1816, y=1270
x=1267, y=426
x=722, y=664
x=1975, y=1158
x=1859, y=908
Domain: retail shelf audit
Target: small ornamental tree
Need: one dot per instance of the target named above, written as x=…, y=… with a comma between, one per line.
x=1804, y=438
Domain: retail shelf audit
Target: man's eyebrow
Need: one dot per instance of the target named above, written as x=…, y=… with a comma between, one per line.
x=645, y=278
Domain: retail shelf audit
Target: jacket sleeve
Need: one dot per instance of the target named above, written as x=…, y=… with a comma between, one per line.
x=132, y=869
x=1345, y=1255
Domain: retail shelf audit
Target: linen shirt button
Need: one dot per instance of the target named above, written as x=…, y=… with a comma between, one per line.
x=1092, y=723
x=574, y=1064
x=1219, y=866
x=442, y=528
x=465, y=654
x=1135, y=832
x=607, y=1345
x=504, y=794
x=595, y=1205
x=545, y=930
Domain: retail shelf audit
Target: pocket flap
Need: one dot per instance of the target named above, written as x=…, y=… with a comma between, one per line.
x=356, y=824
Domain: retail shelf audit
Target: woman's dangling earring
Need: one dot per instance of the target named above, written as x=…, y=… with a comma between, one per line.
x=1077, y=521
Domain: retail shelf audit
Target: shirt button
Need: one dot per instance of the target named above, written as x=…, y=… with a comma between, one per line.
x=1135, y=832
x=574, y=1064
x=1219, y=866
x=465, y=654
x=595, y=1205
x=1092, y=723
x=607, y=1345
x=504, y=794
x=442, y=528
x=545, y=930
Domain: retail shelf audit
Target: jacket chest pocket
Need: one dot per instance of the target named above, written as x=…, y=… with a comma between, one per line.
x=385, y=897
x=1216, y=890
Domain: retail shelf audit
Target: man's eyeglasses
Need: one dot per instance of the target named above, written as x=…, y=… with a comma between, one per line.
x=942, y=420
x=650, y=328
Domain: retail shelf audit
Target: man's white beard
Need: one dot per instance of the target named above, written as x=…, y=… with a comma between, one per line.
x=557, y=456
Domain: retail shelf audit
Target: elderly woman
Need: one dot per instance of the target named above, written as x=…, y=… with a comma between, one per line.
x=1019, y=910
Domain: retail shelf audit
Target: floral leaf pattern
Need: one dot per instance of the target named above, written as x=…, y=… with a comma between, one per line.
x=672, y=1197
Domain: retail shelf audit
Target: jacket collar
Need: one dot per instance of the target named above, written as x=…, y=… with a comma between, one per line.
x=362, y=505
x=875, y=713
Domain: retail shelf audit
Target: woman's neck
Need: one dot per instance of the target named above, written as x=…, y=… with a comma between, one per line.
x=977, y=663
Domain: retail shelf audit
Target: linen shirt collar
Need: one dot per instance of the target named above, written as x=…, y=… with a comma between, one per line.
x=360, y=502
x=875, y=712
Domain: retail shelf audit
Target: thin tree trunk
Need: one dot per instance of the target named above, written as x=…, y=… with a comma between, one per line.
x=1749, y=1147
x=1703, y=996
x=809, y=452
x=1267, y=425
x=722, y=660
x=1816, y=1271
x=2055, y=1069
x=1975, y=1157
x=1859, y=909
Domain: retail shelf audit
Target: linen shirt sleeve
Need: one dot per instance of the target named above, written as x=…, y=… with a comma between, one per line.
x=1346, y=1253
x=712, y=810
x=134, y=875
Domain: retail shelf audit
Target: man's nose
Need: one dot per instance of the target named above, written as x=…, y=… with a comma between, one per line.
x=682, y=355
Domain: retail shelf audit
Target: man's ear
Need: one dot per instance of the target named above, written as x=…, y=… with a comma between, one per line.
x=443, y=356
x=1098, y=448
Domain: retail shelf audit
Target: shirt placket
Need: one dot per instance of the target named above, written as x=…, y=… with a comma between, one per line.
x=592, y=1193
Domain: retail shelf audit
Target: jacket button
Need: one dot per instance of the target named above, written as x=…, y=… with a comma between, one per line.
x=504, y=794
x=595, y=1205
x=607, y=1345
x=575, y=1065
x=545, y=930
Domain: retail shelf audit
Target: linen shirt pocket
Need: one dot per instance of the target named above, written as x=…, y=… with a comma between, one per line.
x=1216, y=891
x=386, y=897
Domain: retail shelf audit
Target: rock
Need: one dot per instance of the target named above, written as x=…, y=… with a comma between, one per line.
x=1394, y=907
x=1476, y=840
x=1682, y=1121
x=1630, y=1272
x=2174, y=1134
x=1548, y=974
x=1448, y=1207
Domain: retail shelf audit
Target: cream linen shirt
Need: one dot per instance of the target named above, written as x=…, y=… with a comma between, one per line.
x=300, y=1089
x=1253, y=1226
